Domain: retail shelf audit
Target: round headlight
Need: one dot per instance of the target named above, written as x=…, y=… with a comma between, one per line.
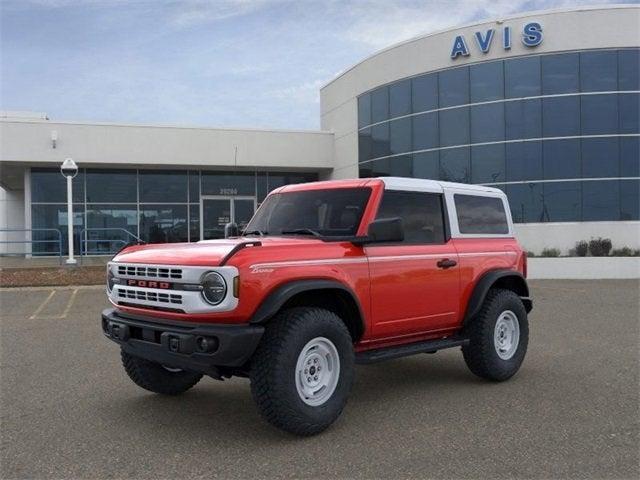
x=109, y=279
x=214, y=288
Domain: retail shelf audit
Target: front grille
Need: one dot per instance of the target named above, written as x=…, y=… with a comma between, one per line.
x=149, y=272
x=146, y=296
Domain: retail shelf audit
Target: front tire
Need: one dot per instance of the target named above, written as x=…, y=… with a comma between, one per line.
x=158, y=378
x=499, y=335
x=302, y=371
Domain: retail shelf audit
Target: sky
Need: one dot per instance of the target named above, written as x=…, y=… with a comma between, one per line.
x=217, y=63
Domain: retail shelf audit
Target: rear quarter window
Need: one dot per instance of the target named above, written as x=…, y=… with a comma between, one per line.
x=481, y=215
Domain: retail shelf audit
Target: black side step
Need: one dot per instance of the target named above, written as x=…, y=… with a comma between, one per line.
x=389, y=353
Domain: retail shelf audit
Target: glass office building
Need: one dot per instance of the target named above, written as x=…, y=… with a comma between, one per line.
x=115, y=206
x=557, y=132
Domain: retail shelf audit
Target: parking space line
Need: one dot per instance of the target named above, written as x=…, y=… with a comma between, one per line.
x=42, y=305
x=69, y=303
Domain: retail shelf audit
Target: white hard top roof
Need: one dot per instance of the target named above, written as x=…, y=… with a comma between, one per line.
x=423, y=185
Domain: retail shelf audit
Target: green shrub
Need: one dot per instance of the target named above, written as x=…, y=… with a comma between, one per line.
x=550, y=252
x=624, y=252
x=582, y=248
x=530, y=254
x=600, y=247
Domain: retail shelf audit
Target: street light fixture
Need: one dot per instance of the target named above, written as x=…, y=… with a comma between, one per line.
x=69, y=169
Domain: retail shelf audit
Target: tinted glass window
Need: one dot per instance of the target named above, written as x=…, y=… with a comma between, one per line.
x=425, y=131
x=454, y=87
x=331, y=212
x=54, y=217
x=379, y=105
x=630, y=200
x=48, y=185
x=194, y=186
x=629, y=69
x=487, y=81
x=523, y=161
x=561, y=159
x=598, y=71
x=400, y=166
x=425, y=92
x=630, y=157
x=426, y=165
x=111, y=224
x=523, y=119
x=365, y=144
x=400, y=98
x=400, y=135
x=163, y=223
x=276, y=180
x=599, y=114
x=111, y=186
x=525, y=202
x=522, y=77
x=194, y=223
x=454, y=127
x=454, y=165
x=163, y=187
x=380, y=140
x=421, y=215
x=560, y=73
x=380, y=168
x=561, y=116
x=487, y=164
x=487, y=123
x=364, y=110
x=562, y=201
x=478, y=214
x=600, y=201
x=600, y=157
x=629, y=112
x=218, y=183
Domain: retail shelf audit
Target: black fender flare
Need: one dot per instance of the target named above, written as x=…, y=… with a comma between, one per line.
x=283, y=293
x=512, y=280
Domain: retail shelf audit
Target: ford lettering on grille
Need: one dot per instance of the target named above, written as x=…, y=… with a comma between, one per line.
x=148, y=284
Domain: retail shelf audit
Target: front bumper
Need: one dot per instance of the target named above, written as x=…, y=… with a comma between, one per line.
x=181, y=346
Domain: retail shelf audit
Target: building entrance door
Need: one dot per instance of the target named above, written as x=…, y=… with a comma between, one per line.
x=216, y=211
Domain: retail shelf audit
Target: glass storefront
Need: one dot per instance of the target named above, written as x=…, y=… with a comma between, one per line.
x=559, y=133
x=111, y=206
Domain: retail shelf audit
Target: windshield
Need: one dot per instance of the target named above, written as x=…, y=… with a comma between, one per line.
x=326, y=213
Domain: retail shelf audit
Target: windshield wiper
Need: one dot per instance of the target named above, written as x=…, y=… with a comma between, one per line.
x=301, y=231
x=254, y=232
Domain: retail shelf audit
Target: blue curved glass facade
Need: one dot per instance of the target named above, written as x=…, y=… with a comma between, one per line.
x=559, y=133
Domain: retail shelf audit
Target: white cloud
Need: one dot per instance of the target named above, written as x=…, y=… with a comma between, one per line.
x=193, y=12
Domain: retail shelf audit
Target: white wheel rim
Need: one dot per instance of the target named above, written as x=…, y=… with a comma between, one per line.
x=317, y=371
x=506, y=335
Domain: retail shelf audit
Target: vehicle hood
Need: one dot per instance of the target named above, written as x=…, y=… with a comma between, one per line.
x=206, y=253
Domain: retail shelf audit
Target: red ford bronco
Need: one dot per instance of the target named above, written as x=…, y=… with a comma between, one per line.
x=326, y=275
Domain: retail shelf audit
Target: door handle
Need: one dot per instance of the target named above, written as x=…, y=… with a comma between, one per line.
x=446, y=263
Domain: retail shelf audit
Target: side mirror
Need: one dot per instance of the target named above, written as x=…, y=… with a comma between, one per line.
x=231, y=230
x=383, y=230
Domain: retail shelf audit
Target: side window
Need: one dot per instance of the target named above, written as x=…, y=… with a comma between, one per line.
x=481, y=215
x=421, y=215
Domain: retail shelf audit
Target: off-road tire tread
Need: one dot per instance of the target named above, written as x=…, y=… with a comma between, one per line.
x=153, y=377
x=479, y=354
x=267, y=385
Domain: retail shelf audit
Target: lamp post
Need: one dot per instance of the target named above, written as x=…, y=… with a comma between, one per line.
x=69, y=169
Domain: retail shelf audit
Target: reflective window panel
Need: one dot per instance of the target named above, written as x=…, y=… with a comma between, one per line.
x=380, y=104
x=523, y=119
x=487, y=81
x=600, y=158
x=228, y=184
x=454, y=87
x=599, y=71
x=629, y=69
x=599, y=114
x=561, y=116
x=525, y=202
x=629, y=199
x=163, y=223
x=562, y=201
x=425, y=131
x=364, y=110
x=426, y=165
x=487, y=123
x=522, y=77
x=109, y=228
x=163, y=186
x=400, y=98
x=523, y=161
x=112, y=186
x=488, y=163
x=424, y=92
x=454, y=165
x=48, y=185
x=454, y=127
x=55, y=217
x=560, y=73
x=600, y=200
x=561, y=159
x=400, y=135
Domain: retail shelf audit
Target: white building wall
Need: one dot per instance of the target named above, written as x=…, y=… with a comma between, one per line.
x=11, y=217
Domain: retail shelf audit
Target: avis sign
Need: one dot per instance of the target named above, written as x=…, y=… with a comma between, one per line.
x=531, y=37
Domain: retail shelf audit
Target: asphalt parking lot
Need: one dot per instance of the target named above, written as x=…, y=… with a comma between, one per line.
x=69, y=411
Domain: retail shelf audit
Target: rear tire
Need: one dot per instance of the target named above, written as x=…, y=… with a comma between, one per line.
x=157, y=378
x=302, y=371
x=499, y=335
